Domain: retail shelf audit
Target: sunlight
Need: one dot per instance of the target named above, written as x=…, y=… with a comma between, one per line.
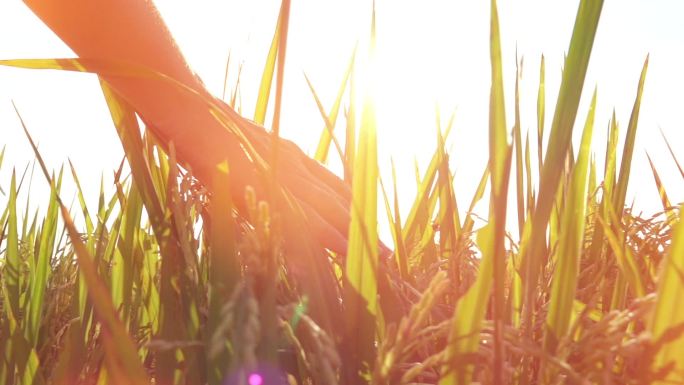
x=189, y=243
x=428, y=57
x=431, y=56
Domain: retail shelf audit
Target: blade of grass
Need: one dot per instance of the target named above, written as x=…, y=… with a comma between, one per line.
x=225, y=77
x=81, y=200
x=322, y=156
x=224, y=267
x=626, y=260
x=284, y=22
x=464, y=337
x=668, y=312
x=121, y=353
x=528, y=172
x=321, y=153
x=12, y=265
x=499, y=155
x=468, y=223
x=267, y=76
x=127, y=246
x=447, y=217
x=350, y=132
x=574, y=73
x=415, y=222
x=517, y=138
x=2, y=156
x=611, y=160
x=226, y=118
x=361, y=288
x=394, y=221
x=122, y=358
x=669, y=148
x=175, y=314
x=401, y=253
x=570, y=246
x=667, y=206
x=541, y=114
x=626, y=163
x=40, y=268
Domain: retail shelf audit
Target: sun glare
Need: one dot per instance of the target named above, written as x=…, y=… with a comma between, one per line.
x=541, y=236
x=427, y=58
x=430, y=57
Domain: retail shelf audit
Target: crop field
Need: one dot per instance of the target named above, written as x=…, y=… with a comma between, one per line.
x=223, y=254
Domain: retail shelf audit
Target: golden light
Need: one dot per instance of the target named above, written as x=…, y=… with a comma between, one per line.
x=432, y=54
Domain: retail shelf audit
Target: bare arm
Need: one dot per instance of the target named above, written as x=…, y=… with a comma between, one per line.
x=132, y=31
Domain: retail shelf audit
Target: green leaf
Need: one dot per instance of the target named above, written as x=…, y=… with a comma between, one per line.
x=447, y=217
x=417, y=218
x=81, y=200
x=541, y=113
x=668, y=312
x=330, y=119
x=267, y=76
x=570, y=244
x=499, y=161
x=400, y=253
x=626, y=260
x=327, y=136
x=40, y=267
x=679, y=166
x=361, y=268
x=468, y=223
x=12, y=266
x=626, y=163
x=574, y=73
x=121, y=354
x=226, y=118
x=464, y=336
x=176, y=314
x=667, y=206
x=224, y=267
x=283, y=21
x=517, y=138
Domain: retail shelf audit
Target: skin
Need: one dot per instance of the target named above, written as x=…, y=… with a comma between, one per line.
x=132, y=32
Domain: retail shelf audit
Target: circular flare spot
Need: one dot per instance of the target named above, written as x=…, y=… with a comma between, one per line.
x=255, y=379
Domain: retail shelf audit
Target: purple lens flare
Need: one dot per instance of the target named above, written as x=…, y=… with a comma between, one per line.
x=255, y=379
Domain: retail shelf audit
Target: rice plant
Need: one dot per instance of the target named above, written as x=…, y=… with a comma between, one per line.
x=230, y=257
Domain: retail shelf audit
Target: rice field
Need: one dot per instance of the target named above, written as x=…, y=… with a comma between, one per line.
x=230, y=257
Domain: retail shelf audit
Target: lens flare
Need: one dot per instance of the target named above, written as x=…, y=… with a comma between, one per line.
x=255, y=379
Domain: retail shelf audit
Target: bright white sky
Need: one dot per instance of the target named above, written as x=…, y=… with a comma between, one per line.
x=437, y=52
